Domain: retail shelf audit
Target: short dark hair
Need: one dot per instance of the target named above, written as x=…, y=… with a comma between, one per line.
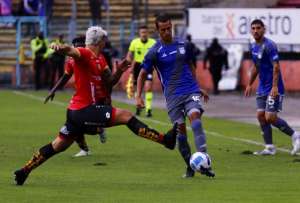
x=163, y=17
x=79, y=41
x=258, y=21
x=143, y=27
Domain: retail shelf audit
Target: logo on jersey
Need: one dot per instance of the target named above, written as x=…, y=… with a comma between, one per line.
x=107, y=115
x=181, y=50
x=164, y=55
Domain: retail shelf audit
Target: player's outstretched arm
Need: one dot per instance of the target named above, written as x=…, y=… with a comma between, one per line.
x=60, y=83
x=112, y=79
x=66, y=50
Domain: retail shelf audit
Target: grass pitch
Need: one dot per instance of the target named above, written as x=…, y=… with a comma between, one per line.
x=131, y=169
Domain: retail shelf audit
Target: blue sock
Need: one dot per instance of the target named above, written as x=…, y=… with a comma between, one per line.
x=283, y=126
x=267, y=133
x=199, y=135
x=184, y=148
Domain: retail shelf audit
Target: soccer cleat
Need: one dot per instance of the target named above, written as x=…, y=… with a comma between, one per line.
x=170, y=137
x=102, y=136
x=296, y=144
x=189, y=173
x=266, y=151
x=138, y=111
x=207, y=171
x=82, y=153
x=20, y=176
x=149, y=113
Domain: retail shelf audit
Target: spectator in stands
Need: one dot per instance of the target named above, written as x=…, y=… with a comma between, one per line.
x=217, y=57
x=39, y=47
x=195, y=50
x=109, y=52
x=5, y=7
x=31, y=8
x=57, y=61
x=96, y=12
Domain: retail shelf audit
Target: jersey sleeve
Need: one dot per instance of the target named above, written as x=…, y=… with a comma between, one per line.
x=149, y=60
x=132, y=46
x=84, y=53
x=273, y=52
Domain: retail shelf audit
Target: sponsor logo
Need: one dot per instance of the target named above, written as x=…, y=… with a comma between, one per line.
x=181, y=50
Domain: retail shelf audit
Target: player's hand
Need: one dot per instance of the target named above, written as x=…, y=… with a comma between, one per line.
x=139, y=102
x=50, y=96
x=205, y=96
x=123, y=65
x=248, y=91
x=274, y=92
x=55, y=47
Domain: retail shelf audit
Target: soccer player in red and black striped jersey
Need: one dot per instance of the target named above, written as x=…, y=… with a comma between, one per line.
x=92, y=77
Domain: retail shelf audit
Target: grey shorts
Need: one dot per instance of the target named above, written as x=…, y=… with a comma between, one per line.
x=183, y=106
x=269, y=104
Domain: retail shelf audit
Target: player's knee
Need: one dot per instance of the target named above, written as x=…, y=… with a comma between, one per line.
x=123, y=116
x=271, y=118
x=261, y=117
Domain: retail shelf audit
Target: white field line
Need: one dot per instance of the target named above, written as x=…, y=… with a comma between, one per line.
x=215, y=134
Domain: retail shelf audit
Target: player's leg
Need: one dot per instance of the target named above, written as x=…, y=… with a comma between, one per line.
x=265, y=127
x=274, y=105
x=148, y=95
x=84, y=149
x=60, y=144
x=194, y=110
x=124, y=117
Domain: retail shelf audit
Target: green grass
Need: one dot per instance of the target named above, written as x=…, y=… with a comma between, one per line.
x=132, y=169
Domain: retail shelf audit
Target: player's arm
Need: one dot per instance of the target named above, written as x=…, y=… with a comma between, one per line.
x=140, y=84
x=253, y=75
x=60, y=83
x=274, y=57
x=276, y=70
x=112, y=79
x=66, y=50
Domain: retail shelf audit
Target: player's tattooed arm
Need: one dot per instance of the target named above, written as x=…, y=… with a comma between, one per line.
x=112, y=79
x=61, y=82
x=274, y=90
x=66, y=50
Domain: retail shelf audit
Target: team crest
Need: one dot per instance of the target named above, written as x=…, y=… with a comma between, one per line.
x=181, y=50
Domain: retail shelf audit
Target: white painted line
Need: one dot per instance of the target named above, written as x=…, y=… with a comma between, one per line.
x=215, y=134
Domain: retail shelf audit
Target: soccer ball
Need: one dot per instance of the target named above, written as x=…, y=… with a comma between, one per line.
x=200, y=160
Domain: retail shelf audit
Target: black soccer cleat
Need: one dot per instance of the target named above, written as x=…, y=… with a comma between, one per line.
x=170, y=137
x=189, y=173
x=20, y=176
x=207, y=171
x=149, y=113
x=138, y=111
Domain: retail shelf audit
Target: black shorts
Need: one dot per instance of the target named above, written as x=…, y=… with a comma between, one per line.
x=136, y=72
x=88, y=120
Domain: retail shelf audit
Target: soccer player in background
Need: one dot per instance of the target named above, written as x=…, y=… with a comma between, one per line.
x=137, y=51
x=173, y=62
x=270, y=91
x=69, y=70
x=83, y=113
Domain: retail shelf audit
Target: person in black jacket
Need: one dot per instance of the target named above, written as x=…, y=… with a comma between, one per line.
x=217, y=57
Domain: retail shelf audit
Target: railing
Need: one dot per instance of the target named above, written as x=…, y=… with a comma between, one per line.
x=18, y=21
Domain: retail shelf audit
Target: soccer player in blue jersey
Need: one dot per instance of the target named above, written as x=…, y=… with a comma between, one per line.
x=172, y=60
x=270, y=90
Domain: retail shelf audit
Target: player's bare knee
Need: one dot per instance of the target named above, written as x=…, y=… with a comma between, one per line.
x=271, y=118
x=261, y=117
